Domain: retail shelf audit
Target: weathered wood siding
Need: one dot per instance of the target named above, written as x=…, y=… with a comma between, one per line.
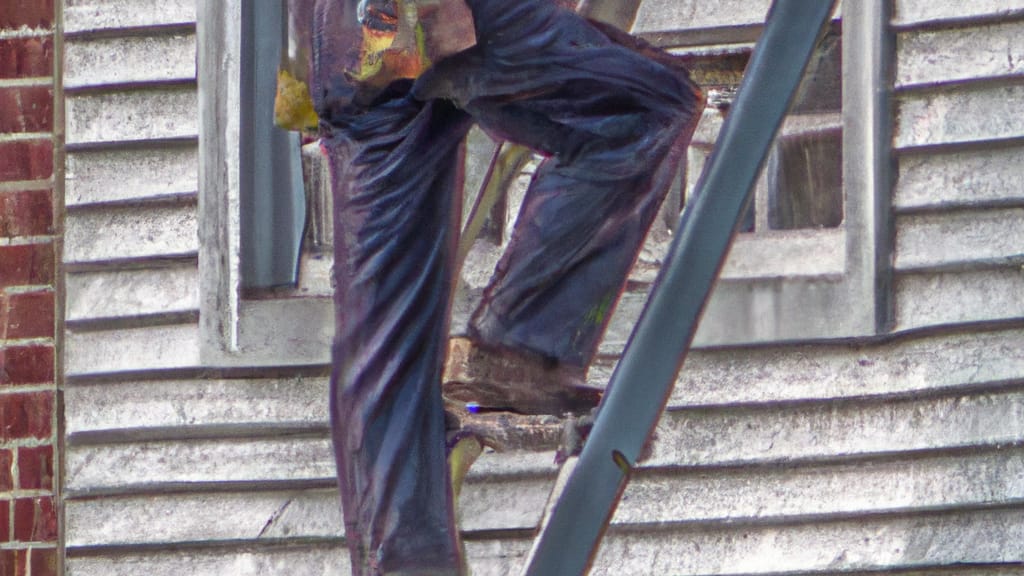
x=902, y=454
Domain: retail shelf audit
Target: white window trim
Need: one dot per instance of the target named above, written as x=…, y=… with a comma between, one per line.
x=840, y=290
x=236, y=331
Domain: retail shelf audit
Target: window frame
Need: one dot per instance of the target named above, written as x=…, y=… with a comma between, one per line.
x=842, y=287
x=843, y=293
x=236, y=330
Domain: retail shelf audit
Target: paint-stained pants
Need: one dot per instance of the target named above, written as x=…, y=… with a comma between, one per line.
x=612, y=116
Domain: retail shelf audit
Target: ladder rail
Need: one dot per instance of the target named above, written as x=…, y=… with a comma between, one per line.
x=642, y=381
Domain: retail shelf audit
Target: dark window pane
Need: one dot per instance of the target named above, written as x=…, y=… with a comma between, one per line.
x=821, y=89
x=805, y=181
x=747, y=222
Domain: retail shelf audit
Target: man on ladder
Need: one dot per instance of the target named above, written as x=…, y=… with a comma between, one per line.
x=396, y=85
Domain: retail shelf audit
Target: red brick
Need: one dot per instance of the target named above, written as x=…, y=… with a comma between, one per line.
x=26, y=365
x=43, y=561
x=26, y=415
x=27, y=315
x=31, y=13
x=26, y=57
x=35, y=520
x=31, y=160
x=26, y=265
x=35, y=468
x=12, y=562
x=26, y=109
x=28, y=213
x=5, y=522
x=6, y=478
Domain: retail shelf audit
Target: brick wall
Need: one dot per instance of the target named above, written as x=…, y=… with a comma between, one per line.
x=28, y=430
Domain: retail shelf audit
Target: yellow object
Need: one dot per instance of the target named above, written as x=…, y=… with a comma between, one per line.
x=462, y=456
x=293, y=108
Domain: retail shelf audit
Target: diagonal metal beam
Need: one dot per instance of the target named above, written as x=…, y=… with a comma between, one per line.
x=643, y=380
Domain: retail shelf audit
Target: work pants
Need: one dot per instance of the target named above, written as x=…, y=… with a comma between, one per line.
x=612, y=117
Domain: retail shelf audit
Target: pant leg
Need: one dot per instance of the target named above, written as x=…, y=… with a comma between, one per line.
x=394, y=168
x=614, y=115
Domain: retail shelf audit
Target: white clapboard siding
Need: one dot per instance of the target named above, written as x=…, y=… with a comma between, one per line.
x=137, y=405
x=971, y=535
x=131, y=232
x=928, y=57
x=161, y=347
x=90, y=16
x=958, y=194
x=128, y=116
x=767, y=439
x=821, y=430
x=325, y=560
x=175, y=462
x=910, y=13
x=129, y=60
x=912, y=366
x=897, y=455
x=114, y=294
x=781, y=492
x=665, y=15
x=964, y=114
x=131, y=175
x=958, y=239
x=832, y=547
x=950, y=298
x=959, y=178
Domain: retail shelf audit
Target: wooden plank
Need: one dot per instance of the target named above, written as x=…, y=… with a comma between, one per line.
x=949, y=298
x=672, y=15
x=141, y=464
x=779, y=493
x=486, y=558
x=916, y=12
x=829, y=430
x=952, y=55
x=859, y=544
x=121, y=176
x=959, y=239
x=181, y=518
x=654, y=498
x=139, y=405
x=131, y=350
x=492, y=557
x=110, y=295
x=117, y=233
x=966, y=114
x=969, y=359
x=977, y=535
x=82, y=16
x=324, y=560
x=119, y=117
x=90, y=63
x=695, y=437
x=960, y=178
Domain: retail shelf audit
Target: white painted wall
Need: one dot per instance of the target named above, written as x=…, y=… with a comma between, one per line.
x=904, y=452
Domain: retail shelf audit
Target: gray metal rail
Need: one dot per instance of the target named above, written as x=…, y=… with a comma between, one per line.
x=643, y=380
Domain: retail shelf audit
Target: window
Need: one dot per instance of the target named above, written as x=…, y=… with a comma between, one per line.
x=811, y=263
x=239, y=326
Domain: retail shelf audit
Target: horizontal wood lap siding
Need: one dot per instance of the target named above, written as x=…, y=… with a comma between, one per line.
x=131, y=243
x=131, y=238
x=960, y=146
x=897, y=455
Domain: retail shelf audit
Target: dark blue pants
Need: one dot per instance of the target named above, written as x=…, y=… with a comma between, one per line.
x=613, y=118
